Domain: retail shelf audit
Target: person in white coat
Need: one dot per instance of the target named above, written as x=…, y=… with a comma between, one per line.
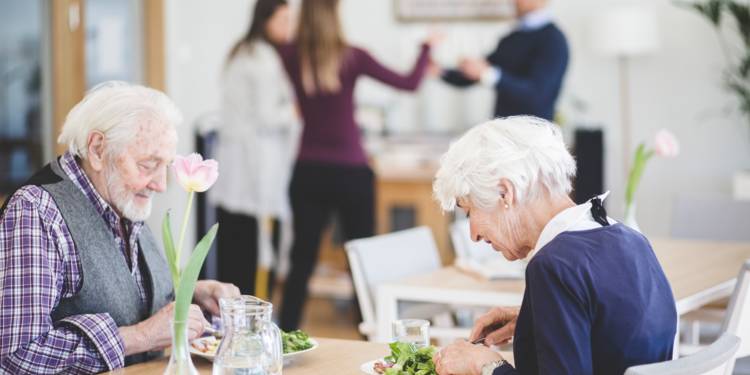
x=257, y=146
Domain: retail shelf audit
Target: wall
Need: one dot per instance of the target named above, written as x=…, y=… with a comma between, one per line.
x=677, y=88
x=198, y=35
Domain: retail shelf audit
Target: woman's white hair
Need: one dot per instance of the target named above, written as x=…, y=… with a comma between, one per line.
x=528, y=151
x=116, y=109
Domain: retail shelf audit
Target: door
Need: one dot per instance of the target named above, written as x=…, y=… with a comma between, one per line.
x=51, y=52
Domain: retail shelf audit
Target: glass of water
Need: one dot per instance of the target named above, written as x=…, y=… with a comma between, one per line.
x=412, y=331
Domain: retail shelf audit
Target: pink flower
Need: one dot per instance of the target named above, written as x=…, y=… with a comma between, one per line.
x=194, y=173
x=666, y=145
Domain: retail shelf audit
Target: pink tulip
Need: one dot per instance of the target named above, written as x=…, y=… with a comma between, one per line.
x=194, y=173
x=666, y=145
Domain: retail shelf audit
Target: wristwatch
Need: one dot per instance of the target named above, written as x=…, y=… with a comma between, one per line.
x=490, y=367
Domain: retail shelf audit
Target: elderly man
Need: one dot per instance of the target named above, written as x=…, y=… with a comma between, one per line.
x=83, y=285
x=526, y=69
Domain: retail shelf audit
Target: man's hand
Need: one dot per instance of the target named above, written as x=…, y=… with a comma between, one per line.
x=497, y=326
x=473, y=68
x=434, y=70
x=155, y=333
x=462, y=357
x=208, y=292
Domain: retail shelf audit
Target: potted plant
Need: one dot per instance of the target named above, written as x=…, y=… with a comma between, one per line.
x=735, y=44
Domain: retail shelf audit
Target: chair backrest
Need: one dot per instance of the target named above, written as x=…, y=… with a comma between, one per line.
x=464, y=246
x=712, y=217
x=480, y=257
x=389, y=257
x=737, y=318
x=713, y=360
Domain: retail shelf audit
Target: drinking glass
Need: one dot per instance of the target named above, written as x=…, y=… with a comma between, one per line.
x=412, y=331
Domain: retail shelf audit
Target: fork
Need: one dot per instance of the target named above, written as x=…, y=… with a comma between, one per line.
x=487, y=331
x=213, y=332
x=479, y=340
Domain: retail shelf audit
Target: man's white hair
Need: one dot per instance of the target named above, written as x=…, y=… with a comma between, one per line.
x=116, y=109
x=528, y=151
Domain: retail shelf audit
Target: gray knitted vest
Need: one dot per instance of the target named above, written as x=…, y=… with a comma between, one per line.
x=108, y=287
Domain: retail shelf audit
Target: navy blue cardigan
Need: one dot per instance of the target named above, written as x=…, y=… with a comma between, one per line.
x=596, y=302
x=533, y=63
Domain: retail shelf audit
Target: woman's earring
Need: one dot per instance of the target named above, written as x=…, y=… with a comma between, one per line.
x=507, y=206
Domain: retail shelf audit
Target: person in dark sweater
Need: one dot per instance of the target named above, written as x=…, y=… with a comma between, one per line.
x=526, y=69
x=596, y=299
x=331, y=175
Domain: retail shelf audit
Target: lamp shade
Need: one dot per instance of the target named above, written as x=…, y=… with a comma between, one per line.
x=626, y=30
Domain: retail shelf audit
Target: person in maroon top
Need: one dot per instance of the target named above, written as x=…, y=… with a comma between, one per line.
x=331, y=175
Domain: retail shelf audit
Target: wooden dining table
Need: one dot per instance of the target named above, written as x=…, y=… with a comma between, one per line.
x=332, y=356
x=699, y=272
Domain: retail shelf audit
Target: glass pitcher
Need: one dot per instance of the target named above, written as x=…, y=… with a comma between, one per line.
x=252, y=342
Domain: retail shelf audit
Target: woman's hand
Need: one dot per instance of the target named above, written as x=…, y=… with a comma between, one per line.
x=497, y=326
x=462, y=357
x=208, y=292
x=434, y=38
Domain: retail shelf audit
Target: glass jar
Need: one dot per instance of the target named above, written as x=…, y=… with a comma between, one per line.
x=252, y=342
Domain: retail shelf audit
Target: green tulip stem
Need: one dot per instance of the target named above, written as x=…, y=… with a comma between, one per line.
x=636, y=172
x=183, y=227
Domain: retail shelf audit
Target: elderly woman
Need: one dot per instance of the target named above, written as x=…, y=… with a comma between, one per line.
x=596, y=299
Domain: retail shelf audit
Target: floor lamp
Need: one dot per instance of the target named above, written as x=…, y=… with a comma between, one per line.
x=625, y=32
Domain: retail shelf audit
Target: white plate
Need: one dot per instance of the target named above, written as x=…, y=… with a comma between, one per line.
x=294, y=354
x=369, y=367
x=210, y=355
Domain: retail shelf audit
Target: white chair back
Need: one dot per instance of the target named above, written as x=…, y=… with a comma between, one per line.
x=713, y=360
x=737, y=319
x=464, y=246
x=479, y=257
x=385, y=258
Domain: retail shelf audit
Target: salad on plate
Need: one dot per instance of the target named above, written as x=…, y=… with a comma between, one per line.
x=406, y=359
x=294, y=342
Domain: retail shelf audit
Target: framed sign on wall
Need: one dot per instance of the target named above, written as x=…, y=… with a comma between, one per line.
x=453, y=10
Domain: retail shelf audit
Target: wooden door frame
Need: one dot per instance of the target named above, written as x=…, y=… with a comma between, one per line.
x=69, y=56
x=68, y=61
x=154, y=44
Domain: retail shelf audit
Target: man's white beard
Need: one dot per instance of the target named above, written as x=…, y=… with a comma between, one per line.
x=124, y=200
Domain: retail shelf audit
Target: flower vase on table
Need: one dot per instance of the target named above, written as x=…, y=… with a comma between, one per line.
x=630, y=217
x=180, y=362
x=195, y=175
x=665, y=145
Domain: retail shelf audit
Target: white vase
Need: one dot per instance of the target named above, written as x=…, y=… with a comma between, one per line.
x=180, y=362
x=630, y=217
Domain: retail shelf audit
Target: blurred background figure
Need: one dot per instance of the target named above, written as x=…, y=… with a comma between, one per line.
x=332, y=173
x=257, y=144
x=526, y=69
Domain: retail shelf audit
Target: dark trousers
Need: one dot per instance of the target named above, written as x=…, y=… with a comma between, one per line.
x=237, y=250
x=318, y=191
